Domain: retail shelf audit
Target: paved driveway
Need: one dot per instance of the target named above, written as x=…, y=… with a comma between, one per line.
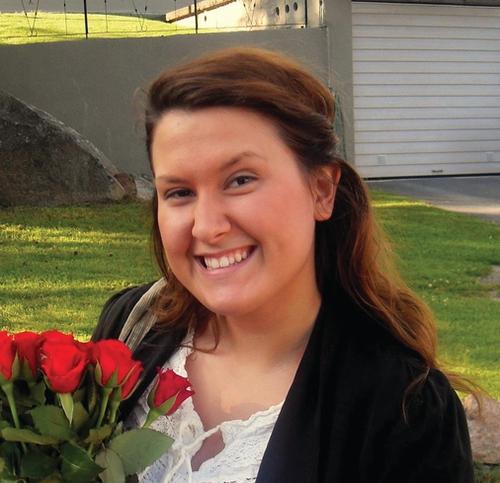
x=476, y=195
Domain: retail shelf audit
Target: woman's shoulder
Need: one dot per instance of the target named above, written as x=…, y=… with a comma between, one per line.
x=116, y=310
x=386, y=369
x=413, y=418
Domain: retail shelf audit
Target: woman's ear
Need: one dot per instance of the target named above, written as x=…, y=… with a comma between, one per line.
x=325, y=181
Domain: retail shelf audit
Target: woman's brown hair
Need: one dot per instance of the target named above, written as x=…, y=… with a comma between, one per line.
x=350, y=250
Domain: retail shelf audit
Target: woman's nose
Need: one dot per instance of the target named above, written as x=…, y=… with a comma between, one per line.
x=210, y=221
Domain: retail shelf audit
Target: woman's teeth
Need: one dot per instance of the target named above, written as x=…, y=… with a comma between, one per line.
x=213, y=263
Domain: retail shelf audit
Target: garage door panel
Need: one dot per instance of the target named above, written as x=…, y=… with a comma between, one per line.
x=448, y=135
x=425, y=159
x=426, y=55
x=430, y=67
x=429, y=20
x=426, y=89
x=423, y=114
x=416, y=169
x=385, y=35
x=389, y=126
x=425, y=147
x=416, y=10
x=426, y=79
x=416, y=88
x=422, y=102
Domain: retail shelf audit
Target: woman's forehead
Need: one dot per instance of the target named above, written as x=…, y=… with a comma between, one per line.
x=221, y=135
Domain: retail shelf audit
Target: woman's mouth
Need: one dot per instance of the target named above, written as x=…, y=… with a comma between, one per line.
x=227, y=259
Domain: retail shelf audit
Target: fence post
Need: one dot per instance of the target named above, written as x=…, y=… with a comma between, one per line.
x=196, y=16
x=86, y=19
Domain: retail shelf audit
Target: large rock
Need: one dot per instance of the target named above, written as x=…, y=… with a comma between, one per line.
x=44, y=162
x=484, y=429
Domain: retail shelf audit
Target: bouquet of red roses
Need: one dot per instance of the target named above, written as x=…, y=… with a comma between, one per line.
x=59, y=404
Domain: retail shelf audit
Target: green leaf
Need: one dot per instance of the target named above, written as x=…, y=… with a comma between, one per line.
x=79, y=394
x=67, y=405
x=80, y=416
x=26, y=436
x=4, y=424
x=54, y=478
x=97, y=435
x=114, y=472
x=11, y=453
x=138, y=448
x=118, y=429
x=51, y=421
x=36, y=464
x=77, y=466
x=38, y=392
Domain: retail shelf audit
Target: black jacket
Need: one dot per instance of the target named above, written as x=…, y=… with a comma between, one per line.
x=342, y=420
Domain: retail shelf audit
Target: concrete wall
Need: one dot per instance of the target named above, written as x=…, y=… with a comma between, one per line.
x=90, y=85
x=338, y=20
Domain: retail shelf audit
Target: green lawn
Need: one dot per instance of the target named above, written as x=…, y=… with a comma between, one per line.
x=443, y=255
x=59, y=265
x=15, y=28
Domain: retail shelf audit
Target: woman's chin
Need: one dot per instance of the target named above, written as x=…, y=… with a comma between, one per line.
x=231, y=307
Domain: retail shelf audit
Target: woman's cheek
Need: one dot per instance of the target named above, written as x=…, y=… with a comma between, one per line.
x=175, y=231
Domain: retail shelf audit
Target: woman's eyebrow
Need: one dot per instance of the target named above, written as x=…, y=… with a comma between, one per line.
x=226, y=165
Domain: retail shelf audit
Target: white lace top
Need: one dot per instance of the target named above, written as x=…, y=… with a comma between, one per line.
x=244, y=441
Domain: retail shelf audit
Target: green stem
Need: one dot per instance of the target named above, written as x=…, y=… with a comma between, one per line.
x=106, y=391
x=8, y=389
x=152, y=416
x=113, y=410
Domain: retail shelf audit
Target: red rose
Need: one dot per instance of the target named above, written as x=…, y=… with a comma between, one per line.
x=87, y=347
x=114, y=364
x=129, y=385
x=7, y=357
x=169, y=392
x=28, y=344
x=63, y=362
x=56, y=336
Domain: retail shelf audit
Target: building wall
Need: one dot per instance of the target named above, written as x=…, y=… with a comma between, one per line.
x=259, y=14
x=90, y=85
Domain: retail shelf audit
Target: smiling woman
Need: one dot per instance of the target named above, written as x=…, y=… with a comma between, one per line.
x=230, y=188
x=309, y=359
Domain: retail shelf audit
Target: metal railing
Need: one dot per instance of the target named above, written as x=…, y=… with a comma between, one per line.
x=24, y=21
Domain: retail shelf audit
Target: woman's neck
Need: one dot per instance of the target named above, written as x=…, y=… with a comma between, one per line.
x=267, y=338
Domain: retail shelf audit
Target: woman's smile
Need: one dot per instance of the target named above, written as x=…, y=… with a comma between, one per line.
x=228, y=258
x=236, y=212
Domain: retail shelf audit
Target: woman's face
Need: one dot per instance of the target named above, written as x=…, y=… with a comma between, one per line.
x=235, y=212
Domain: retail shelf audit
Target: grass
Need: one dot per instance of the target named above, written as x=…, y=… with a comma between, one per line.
x=60, y=264
x=15, y=28
x=443, y=255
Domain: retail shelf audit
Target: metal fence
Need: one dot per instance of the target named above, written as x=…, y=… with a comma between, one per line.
x=25, y=21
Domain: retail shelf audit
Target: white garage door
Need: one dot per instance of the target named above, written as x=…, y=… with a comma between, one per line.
x=426, y=89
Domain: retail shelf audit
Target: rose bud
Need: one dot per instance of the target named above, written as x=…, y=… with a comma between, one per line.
x=28, y=346
x=169, y=392
x=114, y=364
x=63, y=364
x=9, y=365
x=122, y=392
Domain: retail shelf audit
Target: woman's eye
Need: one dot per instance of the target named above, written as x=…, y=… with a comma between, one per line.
x=178, y=194
x=241, y=180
